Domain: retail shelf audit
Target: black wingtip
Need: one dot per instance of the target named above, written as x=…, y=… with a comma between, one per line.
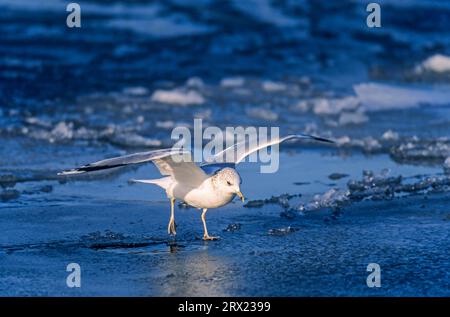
x=88, y=168
x=319, y=139
x=323, y=140
x=70, y=172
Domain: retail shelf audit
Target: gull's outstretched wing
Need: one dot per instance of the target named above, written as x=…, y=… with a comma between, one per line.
x=239, y=151
x=171, y=162
x=181, y=168
x=213, y=168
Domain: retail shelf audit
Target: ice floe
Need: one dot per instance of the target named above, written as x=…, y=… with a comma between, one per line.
x=168, y=124
x=378, y=97
x=390, y=135
x=377, y=186
x=7, y=180
x=437, y=63
x=282, y=200
x=271, y=86
x=325, y=106
x=333, y=198
x=232, y=227
x=136, y=91
x=372, y=186
x=195, y=82
x=178, y=97
x=301, y=106
x=9, y=194
x=266, y=12
x=336, y=176
x=357, y=117
x=37, y=122
x=447, y=165
x=62, y=131
x=282, y=231
x=367, y=144
x=421, y=150
x=66, y=131
x=232, y=82
x=262, y=113
x=130, y=139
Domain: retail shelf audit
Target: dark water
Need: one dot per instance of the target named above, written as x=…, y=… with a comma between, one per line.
x=137, y=69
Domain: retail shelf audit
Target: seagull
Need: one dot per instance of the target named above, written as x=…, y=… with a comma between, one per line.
x=205, y=186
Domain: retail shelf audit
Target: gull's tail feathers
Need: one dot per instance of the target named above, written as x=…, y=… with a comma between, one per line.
x=161, y=182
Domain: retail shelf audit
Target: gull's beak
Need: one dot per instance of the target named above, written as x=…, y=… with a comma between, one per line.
x=241, y=196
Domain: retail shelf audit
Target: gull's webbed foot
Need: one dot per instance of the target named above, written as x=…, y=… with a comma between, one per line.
x=210, y=238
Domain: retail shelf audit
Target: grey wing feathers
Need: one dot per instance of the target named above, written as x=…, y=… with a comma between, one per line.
x=176, y=163
x=239, y=151
x=213, y=168
x=135, y=158
x=182, y=169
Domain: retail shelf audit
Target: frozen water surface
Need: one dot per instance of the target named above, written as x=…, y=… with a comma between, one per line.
x=117, y=230
x=120, y=85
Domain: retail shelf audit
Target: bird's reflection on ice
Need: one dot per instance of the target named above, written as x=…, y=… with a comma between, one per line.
x=193, y=273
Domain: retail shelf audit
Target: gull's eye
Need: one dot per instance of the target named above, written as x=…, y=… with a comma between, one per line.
x=229, y=183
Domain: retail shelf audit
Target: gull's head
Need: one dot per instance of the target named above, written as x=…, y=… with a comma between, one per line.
x=229, y=181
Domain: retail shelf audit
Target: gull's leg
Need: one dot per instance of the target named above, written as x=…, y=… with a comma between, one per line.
x=206, y=236
x=171, y=227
